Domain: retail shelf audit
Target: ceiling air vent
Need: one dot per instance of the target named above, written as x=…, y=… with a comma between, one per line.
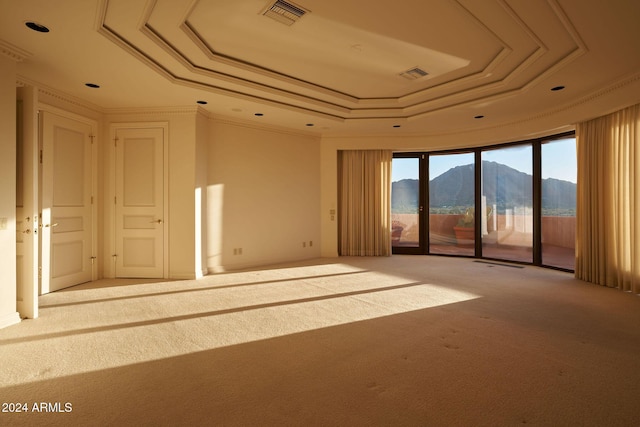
x=283, y=12
x=414, y=73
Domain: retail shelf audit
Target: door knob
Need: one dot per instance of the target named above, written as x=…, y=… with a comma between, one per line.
x=157, y=221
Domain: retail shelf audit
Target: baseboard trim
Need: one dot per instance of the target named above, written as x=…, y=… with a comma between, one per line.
x=182, y=276
x=9, y=319
x=259, y=263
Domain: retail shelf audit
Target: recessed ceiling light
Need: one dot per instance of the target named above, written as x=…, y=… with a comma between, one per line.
x=557, y=88
x=478, y=117
x=259, y=114
x=202, y=102
x=36, y=27
x=92, y=85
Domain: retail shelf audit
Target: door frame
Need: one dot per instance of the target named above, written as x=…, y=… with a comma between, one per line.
x=423, y=204
x=29, y=286
x=110, y=195
x=42, y=107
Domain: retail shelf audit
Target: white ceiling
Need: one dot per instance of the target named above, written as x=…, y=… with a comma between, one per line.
x=338, y=67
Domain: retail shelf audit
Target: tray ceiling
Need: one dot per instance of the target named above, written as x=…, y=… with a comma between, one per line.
x=359, y=65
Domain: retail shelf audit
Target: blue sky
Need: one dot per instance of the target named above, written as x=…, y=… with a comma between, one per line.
x=558, y=161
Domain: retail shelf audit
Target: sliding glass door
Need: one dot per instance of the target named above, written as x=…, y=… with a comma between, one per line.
x=512, y=202
x=451, y=204
x=406, y=204
x=559, y=181
x=507, y=203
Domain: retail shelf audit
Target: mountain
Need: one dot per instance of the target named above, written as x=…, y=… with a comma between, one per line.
x=455, y=187
x=503, y=186
x=404, y=195
x=558, y=194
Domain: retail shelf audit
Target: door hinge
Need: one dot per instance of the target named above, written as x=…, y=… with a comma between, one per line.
x=91, y=199
x=40, y=156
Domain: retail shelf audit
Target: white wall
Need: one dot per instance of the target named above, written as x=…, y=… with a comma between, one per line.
x=182, y=167
x=201, y=175
x=263, y=196
x=8, y=313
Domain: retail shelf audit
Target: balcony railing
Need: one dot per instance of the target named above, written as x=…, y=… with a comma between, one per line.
x=500, y=232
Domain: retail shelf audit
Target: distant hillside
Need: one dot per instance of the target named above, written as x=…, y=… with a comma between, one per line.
x=453, y=188
x=502, y=184
x=404, y=196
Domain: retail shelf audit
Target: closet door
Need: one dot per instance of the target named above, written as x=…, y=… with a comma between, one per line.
x=140, y=213
x=66, y=220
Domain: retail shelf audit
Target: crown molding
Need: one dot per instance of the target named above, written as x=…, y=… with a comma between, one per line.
x=188, y=110
x=13, y=52
x=46, y=91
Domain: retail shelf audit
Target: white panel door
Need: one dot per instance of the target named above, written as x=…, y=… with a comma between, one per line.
x=140, y=222
x=66, y=223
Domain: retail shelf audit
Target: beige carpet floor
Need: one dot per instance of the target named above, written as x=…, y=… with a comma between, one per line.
x=398, y=341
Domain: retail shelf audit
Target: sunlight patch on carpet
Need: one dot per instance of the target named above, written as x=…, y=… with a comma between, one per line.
x=115, y=327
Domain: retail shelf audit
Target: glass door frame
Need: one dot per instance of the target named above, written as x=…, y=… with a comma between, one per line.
x=423, y=220
x=423, y=197
x=464, y=249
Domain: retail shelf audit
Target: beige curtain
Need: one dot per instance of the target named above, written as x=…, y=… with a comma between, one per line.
x=364, y=202
x=608, y=211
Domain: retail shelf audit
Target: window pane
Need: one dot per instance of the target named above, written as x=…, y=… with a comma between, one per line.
x=451, y=201
x=559, y=177
x=507, y=203
x=405, y=202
